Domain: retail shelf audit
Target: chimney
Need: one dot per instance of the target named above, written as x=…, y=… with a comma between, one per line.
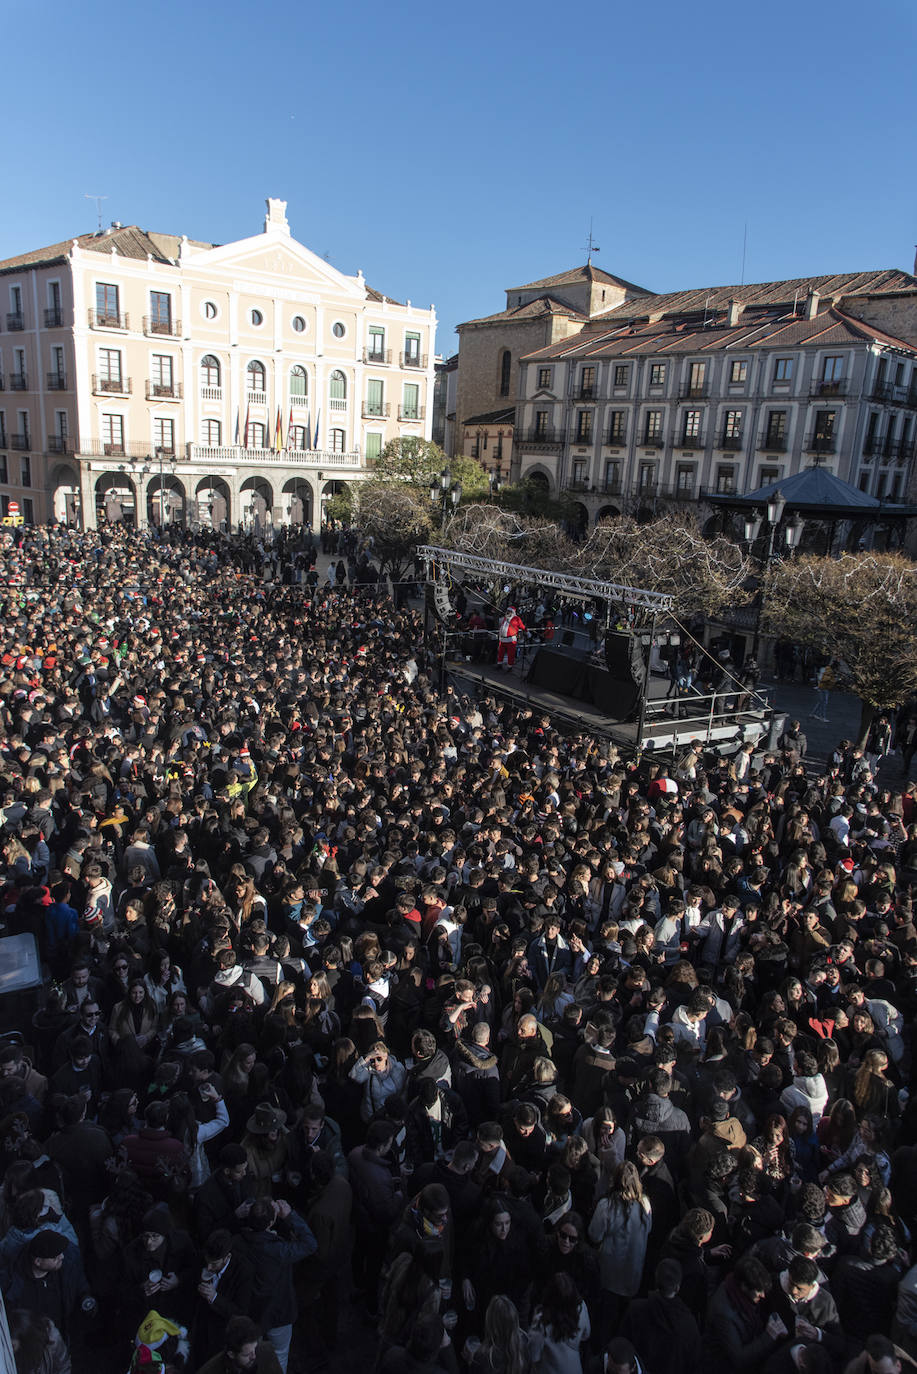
x=733, y=312
x=812, y=299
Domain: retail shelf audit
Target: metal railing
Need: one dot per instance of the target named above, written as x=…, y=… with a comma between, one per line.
x=19, y=381
x=771, y=444
x=379, y=356
x=374, y=411
x=20, y=442
x=700, y=713
x=731, y=442
x=15, y=320
x=693, y=441
x=115, y=386
x=163, y=391
x=693, y=392
x=823, y=387
x=108, y=319
x=820, y=443
x=170, y=329
x=54, y=317
x=413, y=359
x=616, y=439
x=895, y=395
x=57, y=381
x=411, y=413
x=585, y=393
x=653, y=441
x=551, y=437
x=59, y=443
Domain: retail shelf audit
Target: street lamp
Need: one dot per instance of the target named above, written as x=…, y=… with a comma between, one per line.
x=495, y=483
x=447, y=496
x=792, y=532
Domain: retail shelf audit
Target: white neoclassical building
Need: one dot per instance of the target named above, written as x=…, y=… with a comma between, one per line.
x=149, y=377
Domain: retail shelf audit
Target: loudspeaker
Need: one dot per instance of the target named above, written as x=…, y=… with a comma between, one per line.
x=441, y=599
x=624, y=657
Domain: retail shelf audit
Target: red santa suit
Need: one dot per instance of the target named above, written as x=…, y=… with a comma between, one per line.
x=510, y=627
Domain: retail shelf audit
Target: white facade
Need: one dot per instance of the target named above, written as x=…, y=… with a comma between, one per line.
x=166, y=379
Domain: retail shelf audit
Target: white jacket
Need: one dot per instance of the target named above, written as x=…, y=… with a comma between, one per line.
x=807, y=1092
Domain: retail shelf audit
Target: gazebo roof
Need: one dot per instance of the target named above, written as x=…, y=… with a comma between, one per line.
x=816, y=491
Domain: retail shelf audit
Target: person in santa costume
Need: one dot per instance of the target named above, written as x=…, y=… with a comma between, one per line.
x=510, y=626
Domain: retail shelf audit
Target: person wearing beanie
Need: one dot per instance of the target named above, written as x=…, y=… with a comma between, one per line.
x=159, y=1268
x=46, y=1276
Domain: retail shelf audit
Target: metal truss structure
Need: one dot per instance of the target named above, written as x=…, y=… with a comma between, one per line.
x=454, y=562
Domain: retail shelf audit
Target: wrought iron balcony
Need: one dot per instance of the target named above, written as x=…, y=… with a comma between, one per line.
x=772, y=443
x=413, y=359
x=693, y=391
x=378, y=356
x=54, y=317
x=611, y=488
x=693, y=441
x=551, y=438
x=820, y=443
x=59, y=443
x=19, y=381
x=163, y=391
x=731, y=442
x=411, y=413
x=895, y=395
x=585, y=393
x=20, y=442
x=578, y=484
x=653, y=441
x=373, y=410
x=114, y=386
x=15, y=320
x=616, y=438
x=57, y=381
x=169, y=329
x=646, y=488
x=108, y=319
x=825, y=387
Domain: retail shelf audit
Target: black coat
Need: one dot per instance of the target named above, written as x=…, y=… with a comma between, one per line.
x=215, y=1204
x=233, y=1298
x=272, y=1256
x=664, y=1334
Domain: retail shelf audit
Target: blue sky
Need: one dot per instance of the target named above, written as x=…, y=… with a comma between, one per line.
x=453, y=151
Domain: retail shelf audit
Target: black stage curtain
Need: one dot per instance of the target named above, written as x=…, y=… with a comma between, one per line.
x=616, y=697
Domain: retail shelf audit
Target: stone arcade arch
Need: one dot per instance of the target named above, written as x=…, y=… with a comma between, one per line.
x=256, y=503
x=297, y=501
x=116, y=499
x=214, y=503
x=166, y=502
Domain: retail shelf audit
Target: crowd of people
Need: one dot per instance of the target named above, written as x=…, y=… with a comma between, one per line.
x=374, y=1009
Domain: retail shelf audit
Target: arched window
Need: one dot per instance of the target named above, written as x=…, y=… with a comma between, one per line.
x=256, y=375
x=297, y=437
x=338, y=391
x=299, y=382
x=210, y=370
x=506, y=363
x=338, y=441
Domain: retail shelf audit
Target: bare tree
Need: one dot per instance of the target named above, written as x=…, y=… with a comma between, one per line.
x=396, y=516
x=861, y=609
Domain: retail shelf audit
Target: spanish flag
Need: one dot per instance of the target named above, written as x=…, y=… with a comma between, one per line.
x=278, y=432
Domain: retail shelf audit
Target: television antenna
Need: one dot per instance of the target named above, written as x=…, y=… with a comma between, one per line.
x=98, y=200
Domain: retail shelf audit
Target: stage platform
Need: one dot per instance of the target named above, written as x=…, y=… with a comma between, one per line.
x=698, y=717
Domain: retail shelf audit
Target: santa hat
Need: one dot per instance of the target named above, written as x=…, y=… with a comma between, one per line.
x=139, y=701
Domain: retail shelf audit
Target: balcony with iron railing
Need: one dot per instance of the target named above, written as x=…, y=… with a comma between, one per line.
x=108, y=319
x=693, y=391
x=691, y=441
x=168, y=329
x=376, y=410
x=378, y=357
x=163, y=391
x=547, y=438
x=111, y=386
x=579, y=485
x=19, y=381
x=616, y=438
x=894, y=395
x=772, y=443
x=821, y=443
x=54, y=317
x=647, y=488
x=411, y=414
x=59, y=443
x=57, y=381
x=413, y=359
x=20, y=442
x=824, y=386
x=585, y=393
x=732, y=443
x=653, y=441
x=613, y=488
x=15, y=320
